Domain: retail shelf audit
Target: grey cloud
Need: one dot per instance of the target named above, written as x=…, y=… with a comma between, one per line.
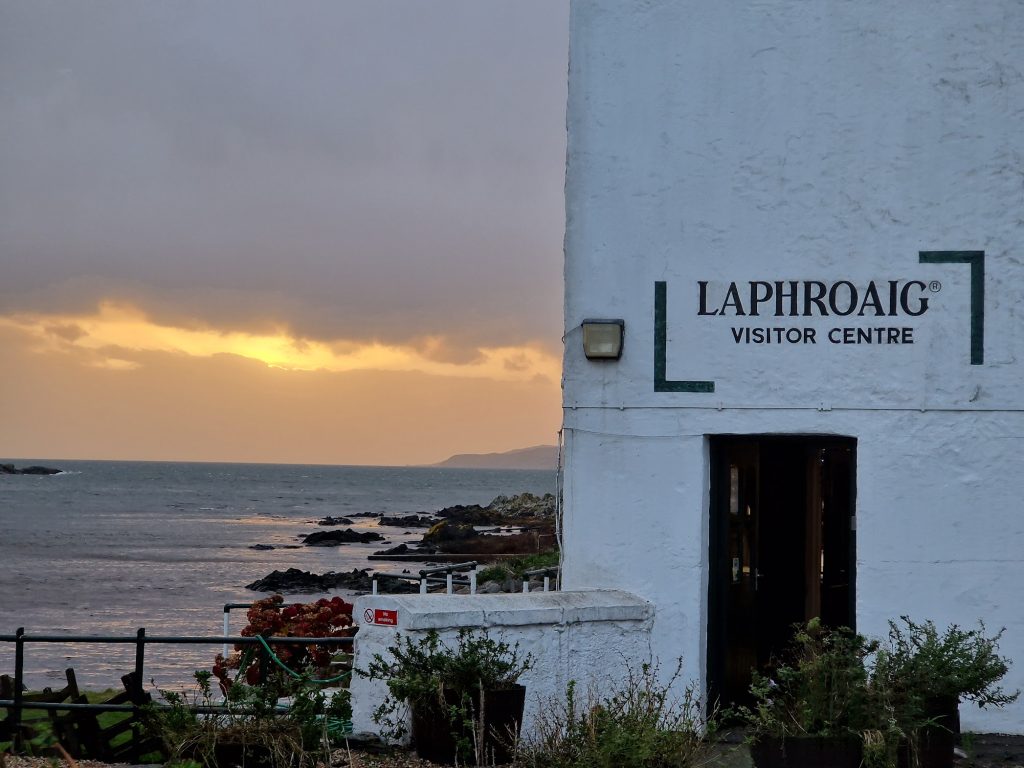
x=370, y=169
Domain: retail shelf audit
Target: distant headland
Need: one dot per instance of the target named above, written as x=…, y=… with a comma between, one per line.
x=536, y=457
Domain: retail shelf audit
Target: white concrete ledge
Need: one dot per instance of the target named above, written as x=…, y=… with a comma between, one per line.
x=416, y=612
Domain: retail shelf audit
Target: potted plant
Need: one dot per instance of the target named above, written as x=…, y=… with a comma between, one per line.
x=465, y=701
x=818, y=708
x=928, y=674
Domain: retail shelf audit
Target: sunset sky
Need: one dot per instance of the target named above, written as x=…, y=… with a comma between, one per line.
x=323, y=232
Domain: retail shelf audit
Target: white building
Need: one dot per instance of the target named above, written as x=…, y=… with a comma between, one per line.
x=810, y=219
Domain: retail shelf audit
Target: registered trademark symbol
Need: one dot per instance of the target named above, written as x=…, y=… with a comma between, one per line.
x=934, y=286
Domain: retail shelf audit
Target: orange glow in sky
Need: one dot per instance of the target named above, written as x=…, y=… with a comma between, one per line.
x=115, y=384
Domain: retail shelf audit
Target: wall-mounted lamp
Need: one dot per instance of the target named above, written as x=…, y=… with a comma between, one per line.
x=602, y=339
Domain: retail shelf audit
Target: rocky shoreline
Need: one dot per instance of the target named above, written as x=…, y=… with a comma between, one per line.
x=523, y=524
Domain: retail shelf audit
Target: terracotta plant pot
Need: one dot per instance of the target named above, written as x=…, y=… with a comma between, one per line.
x=804, y=751
x=434, y=735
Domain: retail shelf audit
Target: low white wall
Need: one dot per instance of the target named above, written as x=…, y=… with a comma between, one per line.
x=586, y=636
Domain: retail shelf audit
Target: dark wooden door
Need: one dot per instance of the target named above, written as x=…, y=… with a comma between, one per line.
x=781, y=549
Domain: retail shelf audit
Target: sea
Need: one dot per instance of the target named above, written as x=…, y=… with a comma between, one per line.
x=106, y=548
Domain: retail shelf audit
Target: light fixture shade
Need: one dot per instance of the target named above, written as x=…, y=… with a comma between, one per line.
x=602, y=339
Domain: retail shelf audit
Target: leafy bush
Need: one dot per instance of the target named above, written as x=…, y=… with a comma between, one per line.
x=824, y=689
x=643, y=724
x=417, y=674
x=958, y=664
x=821, y=690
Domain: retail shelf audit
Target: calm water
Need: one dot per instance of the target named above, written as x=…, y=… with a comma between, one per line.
x=109, y=547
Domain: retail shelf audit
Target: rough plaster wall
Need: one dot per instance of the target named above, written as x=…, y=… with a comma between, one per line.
x=939, y=532
x=587, y=637
x=786, y=140
x=791, y=140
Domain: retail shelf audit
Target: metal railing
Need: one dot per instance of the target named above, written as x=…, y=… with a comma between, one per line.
x=434, y=575
x=547, y=573
x=17, y=705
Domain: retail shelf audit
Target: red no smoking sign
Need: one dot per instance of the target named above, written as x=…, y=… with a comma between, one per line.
x=380, y=616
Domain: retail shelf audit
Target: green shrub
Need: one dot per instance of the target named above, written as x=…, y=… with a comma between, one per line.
x=958, y=664
x=823, y=689
x=418, y=672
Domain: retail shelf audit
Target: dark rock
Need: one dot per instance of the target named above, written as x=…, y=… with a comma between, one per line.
x=448, y=531
x=358, y=579
x=472, y=514
x=334, y=538
x=334, y=521
x=401, y=549
x=10, y=469
x=294, y=580
x=261, y=547
x=407, y=521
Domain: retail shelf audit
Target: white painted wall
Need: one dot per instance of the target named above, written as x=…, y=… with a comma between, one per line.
x=587, y=636
x=786, y=140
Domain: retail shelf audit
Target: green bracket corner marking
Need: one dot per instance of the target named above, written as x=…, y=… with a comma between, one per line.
x=661, y=384
x=977, y=261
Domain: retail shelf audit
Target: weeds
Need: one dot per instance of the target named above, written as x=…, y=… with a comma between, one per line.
x=642, y=724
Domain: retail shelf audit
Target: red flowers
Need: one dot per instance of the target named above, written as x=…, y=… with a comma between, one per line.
x=271, y=618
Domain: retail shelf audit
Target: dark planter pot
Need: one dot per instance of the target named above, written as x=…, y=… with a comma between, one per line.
x=935, y=742
x=229, y=754
x=433, y=734
x=805, y=751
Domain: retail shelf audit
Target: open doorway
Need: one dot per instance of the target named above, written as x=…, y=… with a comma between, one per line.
x=782, y=548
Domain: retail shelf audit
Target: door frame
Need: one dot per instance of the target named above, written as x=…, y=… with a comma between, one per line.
x=716, y=630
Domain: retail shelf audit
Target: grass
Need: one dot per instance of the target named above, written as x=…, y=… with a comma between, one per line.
x=38, y=717
x=516, y=567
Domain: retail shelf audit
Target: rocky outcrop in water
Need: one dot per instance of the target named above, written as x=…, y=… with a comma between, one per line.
x=407, y=521
x=294, y=581
x=335, y=538
x=328, y=521
x=10, y=469
x=503, y=510
x=401, y=549
x=524, y=505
